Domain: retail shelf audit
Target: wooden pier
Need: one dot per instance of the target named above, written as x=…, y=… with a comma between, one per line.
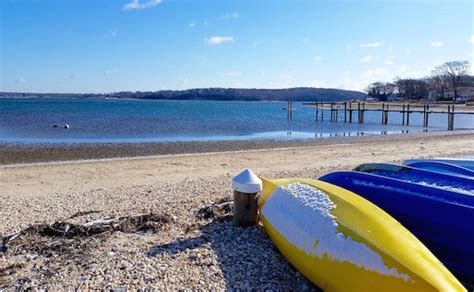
x=360, y=108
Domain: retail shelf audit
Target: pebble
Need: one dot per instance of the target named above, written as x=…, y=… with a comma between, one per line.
x=215, y=254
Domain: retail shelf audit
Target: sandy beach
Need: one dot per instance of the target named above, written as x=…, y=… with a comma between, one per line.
x=183, y=251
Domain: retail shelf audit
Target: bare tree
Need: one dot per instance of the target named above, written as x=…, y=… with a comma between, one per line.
x=451, y=73
x=412, y=88
x=380, y=90
x=439, y=81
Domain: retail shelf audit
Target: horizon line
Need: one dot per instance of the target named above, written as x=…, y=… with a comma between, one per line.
x=196, y=88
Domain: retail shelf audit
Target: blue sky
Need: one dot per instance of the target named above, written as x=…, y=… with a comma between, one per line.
x=115, y=45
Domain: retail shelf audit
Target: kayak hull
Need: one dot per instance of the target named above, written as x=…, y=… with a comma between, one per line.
x=442, y=167
x=453, y=183
x=365, y=224
x=442, y=220
x=466, y=162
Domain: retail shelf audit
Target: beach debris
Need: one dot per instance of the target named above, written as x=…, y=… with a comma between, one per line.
x=83, y=213
x=220, y=210
x=62, y=230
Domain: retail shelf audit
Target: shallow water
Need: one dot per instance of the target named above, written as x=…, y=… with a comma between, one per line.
x=111, y=120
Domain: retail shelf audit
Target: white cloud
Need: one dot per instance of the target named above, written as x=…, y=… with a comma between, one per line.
x=233, y=74
x=349, y=47
x=370, y=45
x=367, y=59
x=408, y=72
x=373, y=73
x=111, y=34
x=306, y=40
x=218, y=40
x=350, y=84
x=192, y=24
x=436, y=44
x=20, y=80
x=317, y=58
x=390, y=48
x=408, y=50
x=183, y=82
x=110, y=71
x=317, y=84
x=285, y=80
x=389, y=60
x=203, y=59
x=137, y=5
x=286, y=77
x=471, y=39
x=231, y=16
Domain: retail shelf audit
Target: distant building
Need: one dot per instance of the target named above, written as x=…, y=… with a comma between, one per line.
x=432, y=95
x=467, y=93
x=448, y=94
x=464, y=94
x=393, y=97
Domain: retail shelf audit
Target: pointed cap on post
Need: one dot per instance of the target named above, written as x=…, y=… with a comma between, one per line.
x=247, y=182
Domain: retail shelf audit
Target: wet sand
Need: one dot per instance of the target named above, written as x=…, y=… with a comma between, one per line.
x=31, y=153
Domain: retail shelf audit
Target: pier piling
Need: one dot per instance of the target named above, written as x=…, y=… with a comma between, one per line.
x=408, y=114
x=358, y=113
x=384, y=108
x=403, y=114
x=450, y=117
x=350, y=112
x=427, y=114
x=345, y=112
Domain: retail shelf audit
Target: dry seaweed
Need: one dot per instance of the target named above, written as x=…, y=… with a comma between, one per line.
x=220, y=210
x=49, y=236
x=83, y=213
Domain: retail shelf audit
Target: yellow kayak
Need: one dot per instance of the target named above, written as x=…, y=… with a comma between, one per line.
x=342, y=242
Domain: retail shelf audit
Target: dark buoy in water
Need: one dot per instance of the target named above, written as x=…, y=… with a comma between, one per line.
x=55, y=126
x=66, y=126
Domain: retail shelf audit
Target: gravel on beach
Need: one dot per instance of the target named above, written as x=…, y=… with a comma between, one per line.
x=189, y=252
x=186, y=251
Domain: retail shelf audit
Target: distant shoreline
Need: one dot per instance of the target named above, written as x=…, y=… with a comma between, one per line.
x=224, y=94
x=18, y=153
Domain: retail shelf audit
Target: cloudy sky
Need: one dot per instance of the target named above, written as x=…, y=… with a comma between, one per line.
x=115, y=45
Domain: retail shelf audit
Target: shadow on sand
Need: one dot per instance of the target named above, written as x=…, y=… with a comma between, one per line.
x=246, y=257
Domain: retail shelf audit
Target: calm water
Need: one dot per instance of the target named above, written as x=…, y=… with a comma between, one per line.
x=100, y=120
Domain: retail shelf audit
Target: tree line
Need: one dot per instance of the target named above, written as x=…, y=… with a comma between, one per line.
x=222, y=94
x=444, y=78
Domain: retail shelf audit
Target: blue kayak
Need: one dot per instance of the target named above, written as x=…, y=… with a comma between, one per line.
x=442, y=220
x=442, y=167
x=454, y=183
x=463, y=162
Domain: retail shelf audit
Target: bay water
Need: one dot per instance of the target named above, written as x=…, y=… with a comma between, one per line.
x=32, y=120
